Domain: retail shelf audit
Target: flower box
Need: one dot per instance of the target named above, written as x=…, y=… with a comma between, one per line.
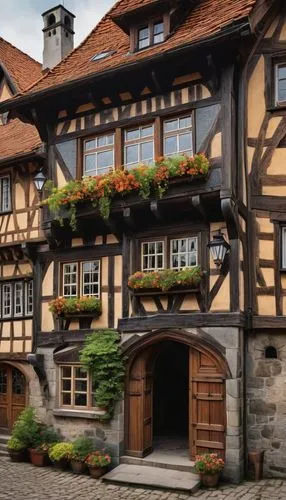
x=165, y=281
x=157, y=291
x=84, y=319
x=83, y=309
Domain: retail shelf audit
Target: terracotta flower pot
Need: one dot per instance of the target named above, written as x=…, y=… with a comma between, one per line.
x=38, y=458
x=96, y=472
x=62, y=464
x=18, y=455
x=209, y=480
x=77, y=466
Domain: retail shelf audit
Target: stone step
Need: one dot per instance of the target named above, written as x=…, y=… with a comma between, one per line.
x=153, y=477
x=4, y=438
x=164, y=462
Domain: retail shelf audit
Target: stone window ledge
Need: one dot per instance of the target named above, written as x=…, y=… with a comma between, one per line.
x=90, y=414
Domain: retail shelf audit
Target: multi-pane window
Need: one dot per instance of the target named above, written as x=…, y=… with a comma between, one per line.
x=81, y=279
x=70, y=279
x=283, y=247
x=174, y=253
x=150, y=34
x=16, y=299
x=98, y=155
x=75, y=387
x=178, y=136
x=281, y=83
x=183, y=252
x=152, y=253
x=139, y=146
x=5, y=194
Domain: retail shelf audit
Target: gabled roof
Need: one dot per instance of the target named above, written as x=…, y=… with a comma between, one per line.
x=18, y=138
x=206, y=19
x=22, y=69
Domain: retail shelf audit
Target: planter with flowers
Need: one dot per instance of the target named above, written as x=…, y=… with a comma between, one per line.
x=144, y=180
x=167, y=280
x=82, y=447
x=209, y=466
x=60, y=454
x=97, y=463
x=84, y=309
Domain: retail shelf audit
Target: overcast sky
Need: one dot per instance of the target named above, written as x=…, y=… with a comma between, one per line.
x=21, y=21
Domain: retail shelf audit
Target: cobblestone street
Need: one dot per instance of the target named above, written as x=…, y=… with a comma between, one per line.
x=26, y=482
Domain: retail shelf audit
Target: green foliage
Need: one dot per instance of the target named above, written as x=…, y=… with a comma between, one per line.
x=146, y=180
x=26, y=429
x=60, y=450
x=166, y=279
x=82, y=447
x=98, y=459
x=71, y=305
x=15, y=444
x=101, y=355
x=208, y=463
x=47, y=437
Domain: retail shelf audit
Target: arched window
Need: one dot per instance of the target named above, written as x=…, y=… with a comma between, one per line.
x=270, y=352
x=51, y=19
x=67, y=22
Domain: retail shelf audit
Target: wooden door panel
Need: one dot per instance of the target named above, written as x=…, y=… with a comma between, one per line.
x=12, y=394
x=207, y=388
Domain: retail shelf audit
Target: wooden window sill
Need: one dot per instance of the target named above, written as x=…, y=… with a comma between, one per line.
x=72, y=413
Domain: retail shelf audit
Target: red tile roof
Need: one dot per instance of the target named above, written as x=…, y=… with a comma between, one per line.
x=18, y=138
x=23, y=70
x=126, y=6
x=206, y=19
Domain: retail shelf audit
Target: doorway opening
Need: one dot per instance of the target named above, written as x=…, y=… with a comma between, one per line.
x=171, y=398
x=13, y=395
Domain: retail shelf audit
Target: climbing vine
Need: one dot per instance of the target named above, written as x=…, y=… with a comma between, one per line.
x=102, y=356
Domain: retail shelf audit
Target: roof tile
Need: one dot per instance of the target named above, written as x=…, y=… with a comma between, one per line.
x=17, y=138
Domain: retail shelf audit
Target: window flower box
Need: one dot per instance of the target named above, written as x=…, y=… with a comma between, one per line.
x=83, y=309
x=167, y=280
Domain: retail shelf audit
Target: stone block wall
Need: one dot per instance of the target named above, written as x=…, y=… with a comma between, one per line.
x=266, y=401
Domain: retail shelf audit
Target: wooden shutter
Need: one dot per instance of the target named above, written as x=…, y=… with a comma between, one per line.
x=140, y=408
x=207, y=405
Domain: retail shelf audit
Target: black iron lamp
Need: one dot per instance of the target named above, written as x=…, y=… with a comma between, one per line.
x=218, y=248
x=39, y=180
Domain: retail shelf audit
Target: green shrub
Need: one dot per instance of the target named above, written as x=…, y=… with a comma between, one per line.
x=82, y=447
x=15, y=444
x=27, y=428
x=60, y=450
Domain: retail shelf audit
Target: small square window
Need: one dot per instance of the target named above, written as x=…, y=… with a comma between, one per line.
x=75, y=387
x=98, y=155
x=150, y=34
x=139, y=146
x=5, y=194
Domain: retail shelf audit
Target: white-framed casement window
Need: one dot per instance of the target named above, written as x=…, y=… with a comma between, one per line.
x=5, y=194
x=70, y=279
x=139, y=146
x=29, y=302
x=280, y=83
x=183, y=252
x=16, y=299
x=7, y=301
x=178, y=136
x=152, y=255
x=150, y=34
x=81, y=278
x=98, y=155
x=283, y=247
x=75, y=387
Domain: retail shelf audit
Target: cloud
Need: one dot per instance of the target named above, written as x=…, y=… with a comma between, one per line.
x=21, y=21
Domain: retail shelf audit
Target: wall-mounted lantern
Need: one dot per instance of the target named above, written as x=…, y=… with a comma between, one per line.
x=218, y=248
x=39, y=180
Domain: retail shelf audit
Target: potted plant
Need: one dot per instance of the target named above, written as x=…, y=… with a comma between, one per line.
x=85, y=309
x=39, y=452
x=209, y=467
x=26, y=429
x=60, y=454
x=17, y=450
x=97, y=463
x=82, y=447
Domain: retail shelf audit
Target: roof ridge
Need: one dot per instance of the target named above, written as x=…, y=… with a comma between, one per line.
x=19, y=50
x=106, y=16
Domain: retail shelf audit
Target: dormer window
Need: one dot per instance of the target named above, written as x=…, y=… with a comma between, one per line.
x=150, y=34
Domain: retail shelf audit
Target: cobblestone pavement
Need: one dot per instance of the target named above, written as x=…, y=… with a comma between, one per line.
x=26, y=482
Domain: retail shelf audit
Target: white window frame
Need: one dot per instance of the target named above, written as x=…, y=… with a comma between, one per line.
x=29, y=298
x=89, y=391
x=187, y=238
x=177, y=133
x=20, y=285
x=156, y=254
x=277, y=66
x=96, y=151
x=9, y=288
x=5, y=196
x=70, y=284
x=138, y=142
x=92, y=283
x=283, y=247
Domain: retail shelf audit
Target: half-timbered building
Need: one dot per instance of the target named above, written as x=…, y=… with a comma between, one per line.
x=205, y=364
x=21, y=156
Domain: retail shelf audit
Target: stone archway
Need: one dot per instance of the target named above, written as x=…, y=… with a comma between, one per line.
x=207, y=371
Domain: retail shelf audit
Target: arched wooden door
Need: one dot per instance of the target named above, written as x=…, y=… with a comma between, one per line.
x=13, y=394
x=206, y=404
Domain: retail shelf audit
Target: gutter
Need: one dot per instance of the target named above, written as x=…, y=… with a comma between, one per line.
x=238, y=29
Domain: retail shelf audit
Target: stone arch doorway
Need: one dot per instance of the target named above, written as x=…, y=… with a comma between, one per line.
x=13, y=394
x=174, y=384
